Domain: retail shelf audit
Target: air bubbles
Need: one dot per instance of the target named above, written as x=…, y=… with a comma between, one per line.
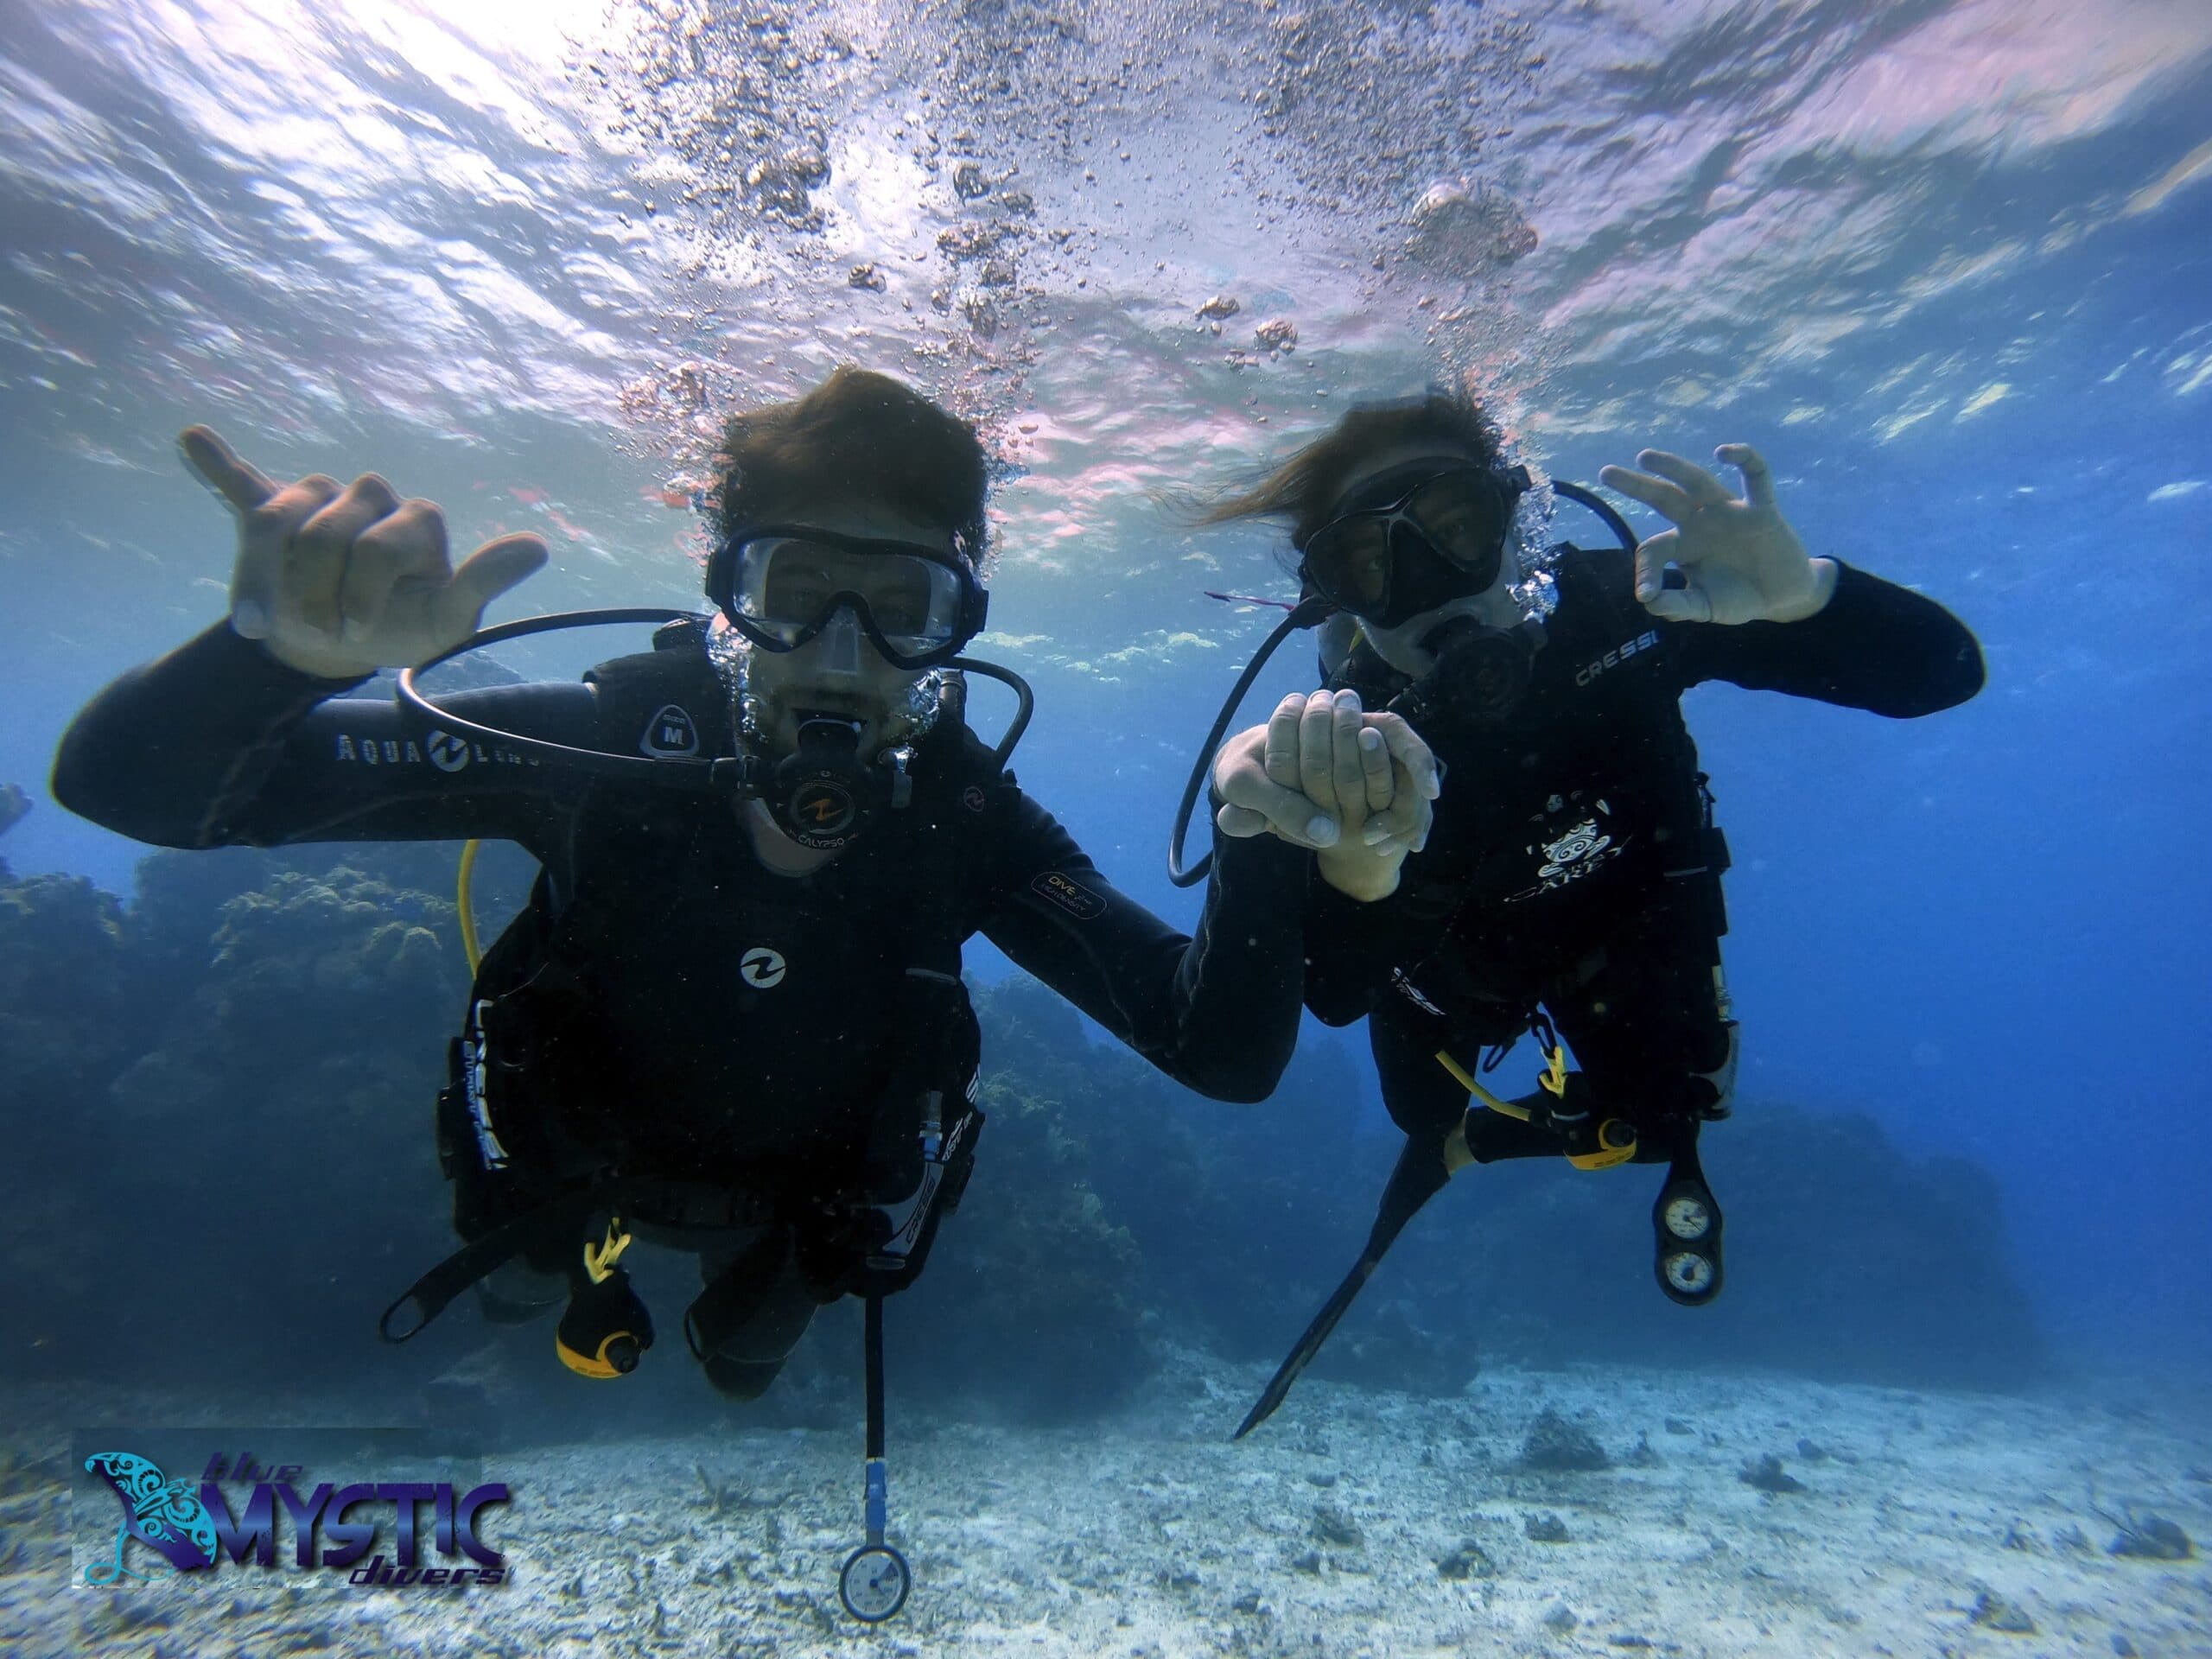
x=1468, y=230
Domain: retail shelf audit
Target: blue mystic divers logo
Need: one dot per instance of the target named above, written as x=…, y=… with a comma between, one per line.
x=194, y=1529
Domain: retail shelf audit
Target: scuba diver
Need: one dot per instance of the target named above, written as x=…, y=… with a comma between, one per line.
x=730, y=1018
x=1571, y=885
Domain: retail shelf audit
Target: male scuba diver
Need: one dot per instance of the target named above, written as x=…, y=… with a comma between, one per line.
x=1570, y=886
x=730, y=1020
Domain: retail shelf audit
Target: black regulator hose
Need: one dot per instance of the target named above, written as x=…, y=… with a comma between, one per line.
x=726, y=773
x=1005, y=676
x=1598, y=505
x=672, y=770
x=1309, y=613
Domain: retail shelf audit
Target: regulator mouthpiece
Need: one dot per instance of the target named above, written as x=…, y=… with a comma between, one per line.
x=822, y=795
x=1480, y=677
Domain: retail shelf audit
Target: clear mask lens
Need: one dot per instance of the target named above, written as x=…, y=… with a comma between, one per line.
x=1463, y=517
x=787, y=585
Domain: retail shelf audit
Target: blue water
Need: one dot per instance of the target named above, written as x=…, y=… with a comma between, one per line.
x=391, y=243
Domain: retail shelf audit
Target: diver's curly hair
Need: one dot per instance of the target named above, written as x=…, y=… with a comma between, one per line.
x=1305, y=488
x=857, y=435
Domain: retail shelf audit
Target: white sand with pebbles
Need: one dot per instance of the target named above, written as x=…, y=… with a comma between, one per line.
x=1356, y=1522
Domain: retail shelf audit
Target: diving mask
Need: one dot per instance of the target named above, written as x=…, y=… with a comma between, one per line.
x=1437, y=533
x=780, y=586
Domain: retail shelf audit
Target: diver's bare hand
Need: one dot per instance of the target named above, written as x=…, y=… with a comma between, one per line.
x=1354, y=788
x=340, y=582
x=1402, y=780
x=1382, y=813
x=1741, y=561
x=1258, y=792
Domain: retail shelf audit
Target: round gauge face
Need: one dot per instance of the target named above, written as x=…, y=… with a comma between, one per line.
x=1688, y=1218
x=874, y=1583
x=1690, y=1273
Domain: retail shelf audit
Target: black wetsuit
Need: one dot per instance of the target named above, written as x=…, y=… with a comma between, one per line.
x=1573, y=867
x=708, y=1016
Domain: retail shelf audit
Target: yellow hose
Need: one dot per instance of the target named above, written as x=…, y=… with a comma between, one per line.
x=1467, y=1082
x=468, y=943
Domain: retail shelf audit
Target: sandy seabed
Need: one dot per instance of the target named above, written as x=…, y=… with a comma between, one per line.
x=1359, y=1522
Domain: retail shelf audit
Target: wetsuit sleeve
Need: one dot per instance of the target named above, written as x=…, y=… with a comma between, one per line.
x=1354, y=947
x=1873, y=645
x=1218, y=1011
x=218, y=744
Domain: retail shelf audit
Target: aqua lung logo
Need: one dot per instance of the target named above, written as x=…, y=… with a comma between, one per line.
x=447, y=751
x=822, y=807
x=761, y=968
x=671, y=731
x=441, y=750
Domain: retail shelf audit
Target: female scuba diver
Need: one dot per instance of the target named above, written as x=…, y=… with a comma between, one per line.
x=730, y=1019
x=1570, y=884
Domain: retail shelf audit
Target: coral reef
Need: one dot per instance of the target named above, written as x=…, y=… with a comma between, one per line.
x=240, y=1063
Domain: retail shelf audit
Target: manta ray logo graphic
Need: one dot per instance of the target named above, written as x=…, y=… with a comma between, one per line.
x=164, y=1515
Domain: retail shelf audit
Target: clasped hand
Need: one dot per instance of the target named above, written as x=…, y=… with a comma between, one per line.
x=1356, y=788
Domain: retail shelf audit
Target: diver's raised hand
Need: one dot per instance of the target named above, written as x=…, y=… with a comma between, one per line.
x=1741, y=561
x=339, y=582
x=1356, y=788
